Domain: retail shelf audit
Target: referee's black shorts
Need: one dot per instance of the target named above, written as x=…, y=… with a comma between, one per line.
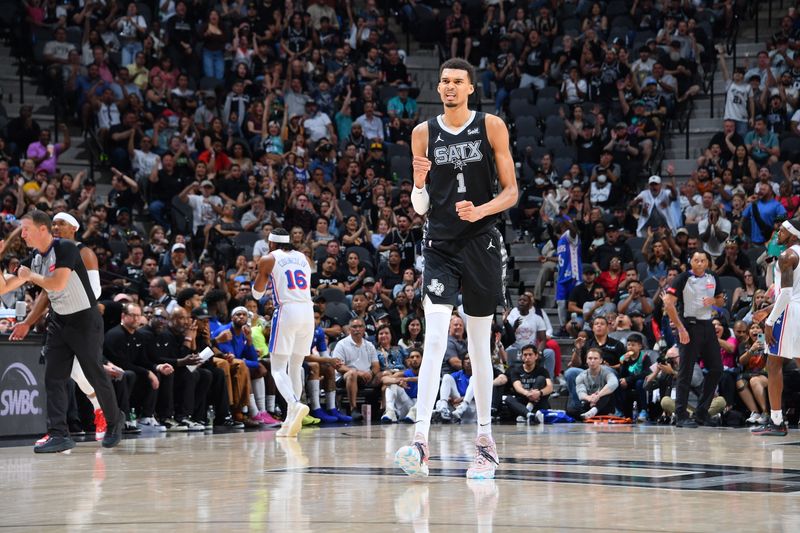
x=477, y=266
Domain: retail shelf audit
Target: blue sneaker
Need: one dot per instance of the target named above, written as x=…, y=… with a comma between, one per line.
x=324, y=417
x=341, y=417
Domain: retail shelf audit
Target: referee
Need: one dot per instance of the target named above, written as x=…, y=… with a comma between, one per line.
x=688, y=303
x=75, y=329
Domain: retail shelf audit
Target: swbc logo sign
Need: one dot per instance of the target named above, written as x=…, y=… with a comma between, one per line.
x=18, y=392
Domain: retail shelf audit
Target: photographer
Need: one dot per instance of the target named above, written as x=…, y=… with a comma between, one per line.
x=661, y=383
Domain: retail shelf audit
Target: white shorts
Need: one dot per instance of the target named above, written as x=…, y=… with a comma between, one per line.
x=292, y=329
x=786, y=332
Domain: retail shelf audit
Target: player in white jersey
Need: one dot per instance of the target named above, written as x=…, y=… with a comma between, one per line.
x=782, y=333
x=292, y=332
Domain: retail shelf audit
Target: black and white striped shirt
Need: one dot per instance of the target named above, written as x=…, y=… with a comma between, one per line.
x=77, y=295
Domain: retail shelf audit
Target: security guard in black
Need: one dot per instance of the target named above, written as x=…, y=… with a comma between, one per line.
x=689, y=303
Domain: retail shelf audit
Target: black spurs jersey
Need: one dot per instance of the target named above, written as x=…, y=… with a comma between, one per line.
x=462, y=168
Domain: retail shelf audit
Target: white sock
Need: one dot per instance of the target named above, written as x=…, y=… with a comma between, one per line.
x=296, y=374
x=251, y=406
x=330, y=399
x=590, y=413
x=80, y=379
x=271, y=403
x=278, y=367
x=312, y=393
x=777, y=416
x=437, y=325
x=479, y=331
x=259, y=391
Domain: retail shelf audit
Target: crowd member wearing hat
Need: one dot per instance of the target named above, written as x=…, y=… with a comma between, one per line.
x=403, y=106
x=655, y=202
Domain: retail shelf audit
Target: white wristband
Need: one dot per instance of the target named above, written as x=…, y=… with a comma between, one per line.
x=420, y=200
x=257, y=294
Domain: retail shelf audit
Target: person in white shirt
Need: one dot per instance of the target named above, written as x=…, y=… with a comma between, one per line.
x=145, y=161
x=655, y=202
x=107, y=114
x=206, y=206
x=356, y=361
x=739, y=101
x=698, y=212
x=318, y=125
x=132, y=29
x=714, y=231
x=370, y=122
x=530, y=328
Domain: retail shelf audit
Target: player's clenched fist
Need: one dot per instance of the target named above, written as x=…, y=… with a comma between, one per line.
x=422, y=166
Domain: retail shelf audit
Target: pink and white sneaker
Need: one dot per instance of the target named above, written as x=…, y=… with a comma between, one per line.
x=265, y=418
x=486, y=461
x=413, y=459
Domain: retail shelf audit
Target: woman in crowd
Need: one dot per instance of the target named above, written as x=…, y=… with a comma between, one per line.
x=752, y=382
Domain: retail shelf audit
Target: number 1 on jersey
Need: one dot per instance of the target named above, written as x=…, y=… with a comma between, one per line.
x=462, y=187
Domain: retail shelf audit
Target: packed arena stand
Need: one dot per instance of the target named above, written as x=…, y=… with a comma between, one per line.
x=216, y=123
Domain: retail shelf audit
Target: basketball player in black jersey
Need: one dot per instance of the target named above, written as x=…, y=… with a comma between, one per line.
x=459, y=157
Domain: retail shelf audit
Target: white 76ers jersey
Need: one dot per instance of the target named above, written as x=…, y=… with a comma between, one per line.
x=290, y=278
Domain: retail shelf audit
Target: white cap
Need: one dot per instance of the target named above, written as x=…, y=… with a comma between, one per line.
x=178, y=246
x=654, y=179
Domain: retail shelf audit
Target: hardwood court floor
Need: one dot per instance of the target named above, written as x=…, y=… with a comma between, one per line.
x=553, y=478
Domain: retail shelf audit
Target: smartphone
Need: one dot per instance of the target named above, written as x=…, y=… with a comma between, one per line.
x=762, y=338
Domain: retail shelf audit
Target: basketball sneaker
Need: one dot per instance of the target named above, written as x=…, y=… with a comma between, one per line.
x=309, y=420
x=341, y=417
x=771, y=429
x=265, y=418
x=100, y=425
x=389, y=417
x=294, y=420
x=486, y=461
x=323, y=416
x=53, y=444
x=413, y=459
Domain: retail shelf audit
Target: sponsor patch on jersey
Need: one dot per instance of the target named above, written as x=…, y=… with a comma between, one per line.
x=473, y=131
x=709, y=286
x=52, y=268
x=458, y=154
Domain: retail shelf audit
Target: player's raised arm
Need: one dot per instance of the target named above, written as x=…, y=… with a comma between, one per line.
x=498, y=137
x=422, y=165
